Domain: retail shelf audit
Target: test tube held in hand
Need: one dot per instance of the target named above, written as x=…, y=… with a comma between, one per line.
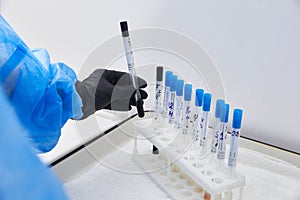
x=131, y=68
x=158, y=91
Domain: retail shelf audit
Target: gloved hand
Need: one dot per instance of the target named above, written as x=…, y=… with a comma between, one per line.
x=107, y=89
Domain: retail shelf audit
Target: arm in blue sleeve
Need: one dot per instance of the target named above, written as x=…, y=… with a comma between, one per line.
x=42, y=94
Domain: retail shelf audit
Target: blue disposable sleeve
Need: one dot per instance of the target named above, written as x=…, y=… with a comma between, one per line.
x=42, y=94
x=23, y=176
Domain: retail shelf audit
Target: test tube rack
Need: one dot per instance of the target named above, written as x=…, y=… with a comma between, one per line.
x=177, y=174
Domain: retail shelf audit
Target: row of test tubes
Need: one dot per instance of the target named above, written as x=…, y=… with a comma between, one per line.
x=175, y=106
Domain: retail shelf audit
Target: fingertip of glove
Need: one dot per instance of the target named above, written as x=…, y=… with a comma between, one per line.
x=144, y=94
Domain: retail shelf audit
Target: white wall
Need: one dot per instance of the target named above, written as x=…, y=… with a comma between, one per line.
x=255, y=45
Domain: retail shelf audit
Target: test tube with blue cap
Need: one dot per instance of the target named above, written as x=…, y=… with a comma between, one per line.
x=158, y=91
x=187, y=108
x=178, y=103
x=171, y=102
x=204, y=119
x=197, y=114
x=223, y=133
x=131, y=68
x=166, y=93
x=216, y=126
x=234, y=141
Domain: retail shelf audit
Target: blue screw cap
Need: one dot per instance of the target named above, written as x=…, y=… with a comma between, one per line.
x=199, y=97
x=224, y=112
x=206, y=102
x=179, y=87
x=173, y=81
x=187, y=92
x=168, y=77
x=219, y=104
x=237, y=118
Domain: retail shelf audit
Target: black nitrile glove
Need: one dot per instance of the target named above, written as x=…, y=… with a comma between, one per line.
x=107, y=89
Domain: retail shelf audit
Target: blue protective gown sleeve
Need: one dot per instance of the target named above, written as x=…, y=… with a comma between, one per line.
x=22, y=174
x=42, y=94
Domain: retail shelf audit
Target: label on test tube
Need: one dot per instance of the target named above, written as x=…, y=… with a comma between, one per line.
x=216, y=131
x=158, y=98
x=235, y=135
x=167, y=93
x=203, y=128
x=196, y=117
x=186, y=117
x=187, y=108
x=171, y=107
x=158, y=92
x=222, y=141
x=178, y=103
x=223, y=130
x=215, y=136
x=178, y=112
x=204, y=119
x=128, y=52
x=171, y=102
x=198, y=113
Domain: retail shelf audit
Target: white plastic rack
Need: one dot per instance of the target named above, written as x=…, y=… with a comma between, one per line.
x=180, y=170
